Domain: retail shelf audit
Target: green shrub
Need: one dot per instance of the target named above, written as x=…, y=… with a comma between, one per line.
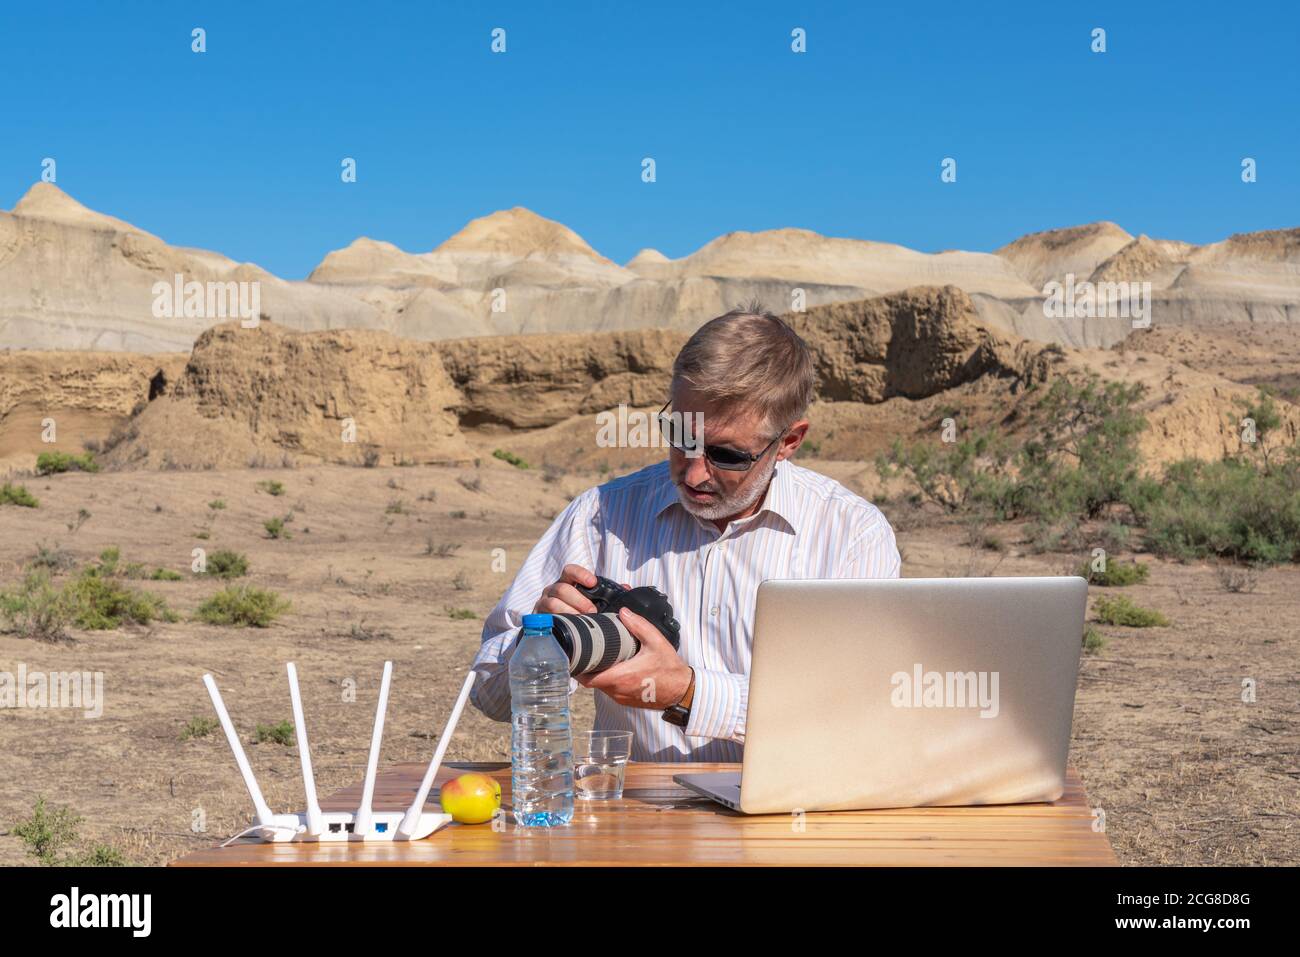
x=271, y=487
x=99, y=855
x=36, y=609
x=54, y=558
x=460, y=614
x=1062, y=536
x=1263, y=412
x=974, y=471
x=1228, y=509
x=1081, y=457
x=1084, y=453
x=510, y=457
x=242, y=606
x=165, y=575
x=1093, y=641
x=1116, y=574
x=48, y=463
x=199, y=727
x=217, y=504
x=1114, y=537
x=226, y=564
x=101, y=603
x=96, y=600
x=1120, y=610
x=52, y=829
x=107, y=565
x=17, y=495
x=275, y=528
x=281, y=733
x=47, y=832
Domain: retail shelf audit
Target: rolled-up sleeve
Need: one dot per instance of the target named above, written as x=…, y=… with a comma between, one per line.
x=718, y=706
x=567, y=541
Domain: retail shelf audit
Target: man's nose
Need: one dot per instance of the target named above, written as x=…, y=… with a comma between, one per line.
x=697, y=470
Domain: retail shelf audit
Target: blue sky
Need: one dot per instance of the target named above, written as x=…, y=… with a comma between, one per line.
x=238, y=149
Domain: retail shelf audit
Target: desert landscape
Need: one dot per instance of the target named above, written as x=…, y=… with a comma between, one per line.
x=384, y=443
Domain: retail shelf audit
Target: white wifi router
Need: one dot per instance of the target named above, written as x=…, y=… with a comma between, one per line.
x=363, y=824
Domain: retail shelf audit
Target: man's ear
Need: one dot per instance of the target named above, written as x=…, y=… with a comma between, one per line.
x=792, y=439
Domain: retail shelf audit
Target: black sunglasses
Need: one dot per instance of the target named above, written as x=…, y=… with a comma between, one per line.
x=732, y=460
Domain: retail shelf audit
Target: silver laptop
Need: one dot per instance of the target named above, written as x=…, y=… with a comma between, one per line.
x=906, y=693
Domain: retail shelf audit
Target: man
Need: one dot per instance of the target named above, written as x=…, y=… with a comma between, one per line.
x=705, y=529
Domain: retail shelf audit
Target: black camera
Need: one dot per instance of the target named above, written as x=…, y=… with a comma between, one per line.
x=595, y=642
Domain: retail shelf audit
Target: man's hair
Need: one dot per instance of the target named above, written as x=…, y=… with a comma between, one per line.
x=753, y=359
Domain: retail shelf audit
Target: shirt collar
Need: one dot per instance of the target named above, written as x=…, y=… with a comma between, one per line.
x=779, y=499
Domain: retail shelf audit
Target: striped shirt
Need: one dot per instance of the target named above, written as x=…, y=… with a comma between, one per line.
x=635, y=530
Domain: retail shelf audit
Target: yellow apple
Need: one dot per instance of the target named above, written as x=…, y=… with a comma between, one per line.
x=471, y=798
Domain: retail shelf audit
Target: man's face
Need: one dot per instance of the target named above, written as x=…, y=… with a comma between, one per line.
x=705, y=490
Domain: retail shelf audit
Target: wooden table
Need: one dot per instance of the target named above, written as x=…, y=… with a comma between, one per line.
x=659, y=823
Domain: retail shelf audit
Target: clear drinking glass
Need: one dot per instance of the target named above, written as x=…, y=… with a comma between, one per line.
x=600, y=764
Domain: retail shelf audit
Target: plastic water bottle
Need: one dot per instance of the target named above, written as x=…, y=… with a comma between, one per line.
x=541, y=758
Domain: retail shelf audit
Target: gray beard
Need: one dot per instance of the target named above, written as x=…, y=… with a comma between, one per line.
x=725, y=507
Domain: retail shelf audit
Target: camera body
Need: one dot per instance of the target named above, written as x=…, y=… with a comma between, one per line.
x=596, y=642
x=650, y=603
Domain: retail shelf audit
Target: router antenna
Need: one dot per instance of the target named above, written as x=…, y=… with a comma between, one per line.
x=412, y=817
x=264, y=815
x=315, y=824
x=361, y=823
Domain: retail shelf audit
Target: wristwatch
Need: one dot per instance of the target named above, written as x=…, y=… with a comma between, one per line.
x=680, y=713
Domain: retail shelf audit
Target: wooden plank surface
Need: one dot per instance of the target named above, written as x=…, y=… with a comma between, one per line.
x=659, y=823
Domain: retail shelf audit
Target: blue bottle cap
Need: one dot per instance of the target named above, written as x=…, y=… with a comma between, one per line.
x=538, y=621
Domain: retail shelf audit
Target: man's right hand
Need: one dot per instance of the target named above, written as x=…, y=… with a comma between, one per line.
x=562, y=598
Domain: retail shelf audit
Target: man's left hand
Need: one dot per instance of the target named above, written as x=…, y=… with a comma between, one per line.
x=655, y=677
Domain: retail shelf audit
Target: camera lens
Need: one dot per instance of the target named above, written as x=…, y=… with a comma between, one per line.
x=593, y=642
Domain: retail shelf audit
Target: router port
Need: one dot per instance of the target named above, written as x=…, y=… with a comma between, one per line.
x=381, y=827
x=336, y=828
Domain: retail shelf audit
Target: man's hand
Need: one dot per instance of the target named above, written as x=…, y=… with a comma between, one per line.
x=655, y=677
x=562, y=598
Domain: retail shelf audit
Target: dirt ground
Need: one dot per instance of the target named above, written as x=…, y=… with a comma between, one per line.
x=1184, y=770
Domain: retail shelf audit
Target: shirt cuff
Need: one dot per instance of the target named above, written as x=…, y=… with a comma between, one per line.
x=718, y=706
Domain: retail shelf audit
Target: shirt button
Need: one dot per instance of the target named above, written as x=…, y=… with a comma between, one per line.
x=714, y=610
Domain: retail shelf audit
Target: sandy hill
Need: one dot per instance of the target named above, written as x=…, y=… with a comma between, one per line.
x=520, y=233
x=73, y=278
x=886, y=366
x=1249, y=278
x=1054, y=253
x=45, y=201
x=799, y=255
